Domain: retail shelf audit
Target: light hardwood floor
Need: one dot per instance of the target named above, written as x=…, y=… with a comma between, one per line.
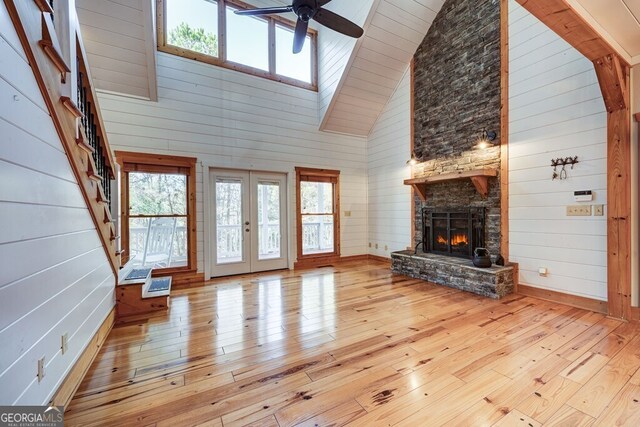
x=357, y=345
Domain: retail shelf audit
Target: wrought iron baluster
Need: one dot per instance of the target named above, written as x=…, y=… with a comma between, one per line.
x=90, y=126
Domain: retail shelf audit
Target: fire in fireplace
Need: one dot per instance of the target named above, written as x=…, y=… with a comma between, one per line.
x=451, y=231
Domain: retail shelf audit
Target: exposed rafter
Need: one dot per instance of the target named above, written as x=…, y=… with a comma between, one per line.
x=568, y=24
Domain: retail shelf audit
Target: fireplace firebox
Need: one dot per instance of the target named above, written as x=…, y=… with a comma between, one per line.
x=453, y=231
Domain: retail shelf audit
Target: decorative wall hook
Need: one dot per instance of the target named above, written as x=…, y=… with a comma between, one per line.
x=555, y=163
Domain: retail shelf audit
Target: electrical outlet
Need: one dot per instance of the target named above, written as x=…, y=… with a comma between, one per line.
x=376, y=246
x=40, y=369
x=386, y=248
x=65, y=343
x=598, y=210
x=347, y=213
x=579, y=210
x=542, y=271
x=370, y=244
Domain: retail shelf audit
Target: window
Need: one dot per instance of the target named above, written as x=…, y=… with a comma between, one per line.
x=158, y=211
x=210, y=31
x=318, y=210
x=189, y=25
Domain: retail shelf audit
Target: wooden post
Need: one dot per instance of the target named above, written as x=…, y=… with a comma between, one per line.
x=504, y=130
x=412, y=110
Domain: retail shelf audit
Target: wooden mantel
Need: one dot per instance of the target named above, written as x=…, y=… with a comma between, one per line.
x=479, y=178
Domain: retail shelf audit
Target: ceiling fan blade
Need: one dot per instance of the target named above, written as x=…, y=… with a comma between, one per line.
x=322, y=2
x=300, y=35
x=338, y=23
x=264, y=11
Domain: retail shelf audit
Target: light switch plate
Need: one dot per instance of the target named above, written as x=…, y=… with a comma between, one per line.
x=598, y=210
x=347, y=213
x=579, y=210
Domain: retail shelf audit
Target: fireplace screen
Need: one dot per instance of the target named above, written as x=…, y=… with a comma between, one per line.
x=455, y=232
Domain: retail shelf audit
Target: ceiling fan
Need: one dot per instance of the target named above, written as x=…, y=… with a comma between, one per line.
x=307, y=10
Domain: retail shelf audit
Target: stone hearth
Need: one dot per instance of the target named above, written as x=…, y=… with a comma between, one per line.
x=494, y=282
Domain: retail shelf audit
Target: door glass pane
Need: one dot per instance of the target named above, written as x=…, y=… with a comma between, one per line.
x=158, y=242
x=229, y=221
x=193, y=25
x=317, y=234
x=316, y=197
x=247, y=40
x=296, y=66
x=268, y=220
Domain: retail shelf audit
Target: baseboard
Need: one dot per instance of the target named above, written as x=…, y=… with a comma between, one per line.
x=379, y=259
x=326, y=261
x=352, y=258
x=562, y=298
x=67, y=389
x=316, y=262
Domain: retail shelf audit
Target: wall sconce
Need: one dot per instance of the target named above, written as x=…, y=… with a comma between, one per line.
x=413, y=160
x=486, y=139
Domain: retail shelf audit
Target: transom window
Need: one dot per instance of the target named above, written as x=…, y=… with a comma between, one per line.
x=210, y=31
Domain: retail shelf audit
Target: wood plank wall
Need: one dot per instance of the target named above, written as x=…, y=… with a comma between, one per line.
x=233, y=120
x=115, y=37
x=55, y=278
x=556, y=110
x=387, y=154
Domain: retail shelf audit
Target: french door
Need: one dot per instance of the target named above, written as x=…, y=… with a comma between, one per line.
x=249, y=222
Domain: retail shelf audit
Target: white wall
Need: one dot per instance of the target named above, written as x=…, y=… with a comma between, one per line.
x=387, y=153
x=555, y=110
x=55, y=278
x=118, y=38
x=233, y=120
x=335, y=49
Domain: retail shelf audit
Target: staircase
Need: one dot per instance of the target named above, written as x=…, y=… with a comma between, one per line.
x=58, y=60
x=135, y=293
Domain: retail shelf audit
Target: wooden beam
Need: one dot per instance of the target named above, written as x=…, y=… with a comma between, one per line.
x=619, y=218
x=481, y=183
x=421, y=191
x=611, y=78
x=568, y=24
x=479, y=178
x=504, y=130
x=452, y=176
x=412, y=109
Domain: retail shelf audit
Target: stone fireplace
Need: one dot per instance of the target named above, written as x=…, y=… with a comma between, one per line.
x=457, y=100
